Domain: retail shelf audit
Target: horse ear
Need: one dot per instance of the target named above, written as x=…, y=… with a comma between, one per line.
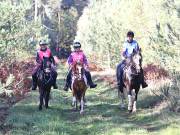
x=140, y=50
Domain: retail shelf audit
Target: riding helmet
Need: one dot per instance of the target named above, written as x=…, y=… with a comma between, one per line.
x=77, y=45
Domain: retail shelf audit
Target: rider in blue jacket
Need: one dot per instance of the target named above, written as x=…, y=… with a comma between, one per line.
x=129, y=46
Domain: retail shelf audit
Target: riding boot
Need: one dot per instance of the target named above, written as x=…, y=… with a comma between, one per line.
x=34, y=82
x=89, y=79
x=68, y=82
x=144, y=84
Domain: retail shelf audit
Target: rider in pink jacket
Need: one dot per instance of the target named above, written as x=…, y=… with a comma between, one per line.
x=44, y=51
x=75, y=56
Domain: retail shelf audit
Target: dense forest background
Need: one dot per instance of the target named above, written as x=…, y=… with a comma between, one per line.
x=101, y=27
x=25, y=22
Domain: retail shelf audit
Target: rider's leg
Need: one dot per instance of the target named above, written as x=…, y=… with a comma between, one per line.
x=144, y=84
x=120, y=74
x=34, y=78
x=68, y=81
x=89, y=79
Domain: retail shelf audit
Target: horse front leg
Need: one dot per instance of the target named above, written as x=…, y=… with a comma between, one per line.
x=135, y=100
x=73, y=101
x=130, y=100
x=41, y=92
x=82, y=105
x=122, y=97
x=47, y=99
x=85, y=101
x=76, y=103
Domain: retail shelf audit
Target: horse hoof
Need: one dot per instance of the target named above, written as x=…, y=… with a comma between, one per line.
x=74, y=109
x=47, y=107
x=122, y=108
x=134, y=111
x=40, y=108
x=130, y=111
x=81, y=112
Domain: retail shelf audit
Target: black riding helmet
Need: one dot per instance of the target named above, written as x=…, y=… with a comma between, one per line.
x=77, y=45
x=130, y=33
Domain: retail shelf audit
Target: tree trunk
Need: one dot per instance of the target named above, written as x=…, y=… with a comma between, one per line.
x=36, y=10
x=109, y=57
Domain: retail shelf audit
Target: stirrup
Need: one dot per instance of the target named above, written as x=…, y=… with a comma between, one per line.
x=55, y=86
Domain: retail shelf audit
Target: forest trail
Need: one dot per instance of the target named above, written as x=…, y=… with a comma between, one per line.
x=102, y=114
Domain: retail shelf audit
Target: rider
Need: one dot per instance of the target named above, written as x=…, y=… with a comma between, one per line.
x=44, y=51
x=127, y=51
x=75, y=56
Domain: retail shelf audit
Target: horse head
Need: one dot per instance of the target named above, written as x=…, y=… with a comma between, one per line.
x=77, y=69
x=46, y=66
x=137, y=59
x=134, y=62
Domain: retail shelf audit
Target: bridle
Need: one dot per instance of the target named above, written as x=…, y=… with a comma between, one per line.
x=46, y=69
x=77, y=71
x=132, y=64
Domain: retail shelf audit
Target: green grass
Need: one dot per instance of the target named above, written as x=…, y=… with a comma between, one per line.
x=102, y=115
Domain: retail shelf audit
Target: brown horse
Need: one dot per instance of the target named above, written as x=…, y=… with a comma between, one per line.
x=131, y=80
x=78, y=85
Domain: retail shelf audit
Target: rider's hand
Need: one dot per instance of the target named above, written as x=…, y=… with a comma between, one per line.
x=53, y=66
x=123, y=57
x=86, y=67
x=70, y=66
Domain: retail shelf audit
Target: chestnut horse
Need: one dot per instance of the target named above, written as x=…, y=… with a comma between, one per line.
x=78, y=85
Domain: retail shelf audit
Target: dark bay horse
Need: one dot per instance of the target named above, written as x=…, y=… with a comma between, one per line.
x=78, y=85
x=131, y=80
x=45, y=82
